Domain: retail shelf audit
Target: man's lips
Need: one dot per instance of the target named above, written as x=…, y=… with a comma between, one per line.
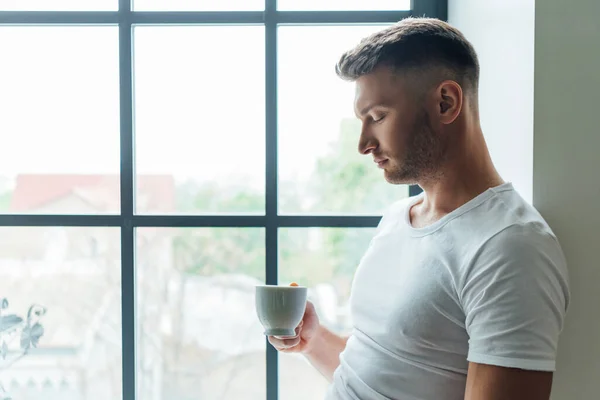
x=380, y=162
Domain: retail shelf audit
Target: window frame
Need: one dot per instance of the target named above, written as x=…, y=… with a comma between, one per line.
x=127, y=220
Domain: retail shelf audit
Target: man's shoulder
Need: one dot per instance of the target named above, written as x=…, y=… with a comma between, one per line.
x=519, y=238
x=508, y=231
x=506, y=220
x=523, y=239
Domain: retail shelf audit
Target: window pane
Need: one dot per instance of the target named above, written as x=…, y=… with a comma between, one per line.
x=62, y=288
x=333, y=5
x=60, y=120
x=324, y=259
x=198, y=5
x=200, y=336
x=200, y=117
x=321, y=170
x=58, y=5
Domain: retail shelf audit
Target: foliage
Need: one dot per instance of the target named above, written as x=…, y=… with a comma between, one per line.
x=349, y=182
x=214, y=251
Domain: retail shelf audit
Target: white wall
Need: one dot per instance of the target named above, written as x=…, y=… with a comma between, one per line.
x=566, y=178
x=563, y=176
x=502, y=32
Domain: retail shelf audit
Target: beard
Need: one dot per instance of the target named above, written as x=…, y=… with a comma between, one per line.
x=424, y=153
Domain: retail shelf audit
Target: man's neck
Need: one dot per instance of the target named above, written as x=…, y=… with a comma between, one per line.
x=467, y=173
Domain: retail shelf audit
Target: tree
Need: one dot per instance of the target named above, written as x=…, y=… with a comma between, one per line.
x=347, y=182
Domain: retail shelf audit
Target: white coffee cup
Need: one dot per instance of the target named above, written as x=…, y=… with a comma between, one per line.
x=280, y=308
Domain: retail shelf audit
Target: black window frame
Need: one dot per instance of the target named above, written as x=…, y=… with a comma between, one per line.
x=271, y=221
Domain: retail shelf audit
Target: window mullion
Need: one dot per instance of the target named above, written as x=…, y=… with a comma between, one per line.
x=271, y=208
x=128, y=298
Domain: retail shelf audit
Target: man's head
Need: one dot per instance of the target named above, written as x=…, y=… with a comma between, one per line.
x=414, y=80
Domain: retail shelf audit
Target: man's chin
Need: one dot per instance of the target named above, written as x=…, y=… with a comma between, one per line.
x=395, y=180
x=398, y=178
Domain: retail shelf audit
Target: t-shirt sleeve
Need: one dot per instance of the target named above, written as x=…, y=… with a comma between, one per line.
x=515, y=295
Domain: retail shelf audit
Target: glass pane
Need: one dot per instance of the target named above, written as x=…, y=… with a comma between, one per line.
x=200, y=336
x=59, y=5
x=349, y=5
x=198, y=5
x=320, y=169
x=200, y=117
x=324, y=259
x=60, y=120
x=60, y=313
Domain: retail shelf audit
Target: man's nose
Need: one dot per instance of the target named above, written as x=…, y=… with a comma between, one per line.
x=366, y=143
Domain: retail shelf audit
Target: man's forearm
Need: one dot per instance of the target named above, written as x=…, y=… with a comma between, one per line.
x=324, y=352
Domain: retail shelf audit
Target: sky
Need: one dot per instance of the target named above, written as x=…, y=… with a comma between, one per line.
x=199, y=99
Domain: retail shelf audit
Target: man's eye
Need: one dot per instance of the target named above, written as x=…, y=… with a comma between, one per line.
x=378, y=118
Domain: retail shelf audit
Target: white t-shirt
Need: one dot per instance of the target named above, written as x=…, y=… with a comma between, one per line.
x=486, y=283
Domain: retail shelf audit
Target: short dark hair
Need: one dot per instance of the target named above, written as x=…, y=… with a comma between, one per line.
x=417, y=44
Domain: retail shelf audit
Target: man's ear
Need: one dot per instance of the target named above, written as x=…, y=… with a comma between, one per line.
x=449, y=99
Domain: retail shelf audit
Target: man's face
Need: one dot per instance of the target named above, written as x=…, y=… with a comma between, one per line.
x=396, y=129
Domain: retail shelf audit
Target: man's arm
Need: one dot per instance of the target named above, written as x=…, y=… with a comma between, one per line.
x=489, y=382
x=324, y=351
x=515, y=296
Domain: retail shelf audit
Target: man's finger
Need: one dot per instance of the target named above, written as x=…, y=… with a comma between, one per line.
x=284, y=343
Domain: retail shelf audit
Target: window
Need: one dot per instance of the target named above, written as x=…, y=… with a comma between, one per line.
x=160, y=158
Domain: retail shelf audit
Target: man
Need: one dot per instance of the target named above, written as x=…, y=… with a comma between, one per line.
x=464, y=288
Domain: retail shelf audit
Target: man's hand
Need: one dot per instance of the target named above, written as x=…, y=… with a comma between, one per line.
x=305, y=333
x=321, y=346
x=489, y=382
